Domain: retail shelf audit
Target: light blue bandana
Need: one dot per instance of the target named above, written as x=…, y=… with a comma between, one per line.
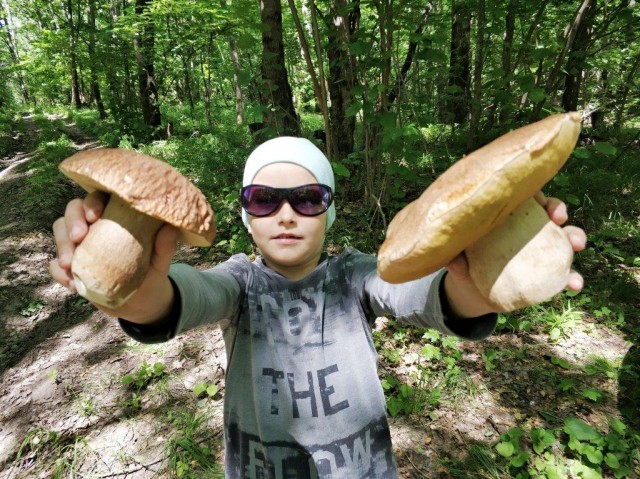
x=288, y=149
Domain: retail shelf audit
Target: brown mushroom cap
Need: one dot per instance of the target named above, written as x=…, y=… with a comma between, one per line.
x=473, y=196
x=149, y=186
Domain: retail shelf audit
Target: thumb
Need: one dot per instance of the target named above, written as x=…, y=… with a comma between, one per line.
x=459, y=267
x=164, y=248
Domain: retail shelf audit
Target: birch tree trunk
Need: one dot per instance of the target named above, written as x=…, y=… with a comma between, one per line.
x=577, y=56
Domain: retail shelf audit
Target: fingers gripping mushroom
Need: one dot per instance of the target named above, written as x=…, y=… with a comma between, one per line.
x=113, y=259
x=484, y=205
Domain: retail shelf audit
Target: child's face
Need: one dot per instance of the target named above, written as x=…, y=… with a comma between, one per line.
x=290, y=243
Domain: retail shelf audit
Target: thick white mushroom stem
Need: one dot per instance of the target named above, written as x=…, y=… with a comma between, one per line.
x=524, y=261
x=113, y=259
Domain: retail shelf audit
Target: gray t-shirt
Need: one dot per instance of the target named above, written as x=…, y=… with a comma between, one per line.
x=302, y=394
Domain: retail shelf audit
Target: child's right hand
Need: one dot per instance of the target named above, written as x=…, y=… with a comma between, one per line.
x=154, y=298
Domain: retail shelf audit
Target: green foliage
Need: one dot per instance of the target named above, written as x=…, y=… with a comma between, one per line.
x=189, y=455
x=576, y=450
x=204, y=389
x=144, y=375
x=433, y=372
x=31, y=308
x=61, y=453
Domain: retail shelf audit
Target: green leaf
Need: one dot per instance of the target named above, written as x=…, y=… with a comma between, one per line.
x=245, y=41
x=612, y=461
x=406, y=391
x=588, y=473
x=394, y=405
x=580, y=430
x=541, y=439
x=430, y=352
x=537, y=94
x=618, y=426
x=432, y=55
x=199, y=388
x=431, y=335
x=566, y=385
x=581, y=153
x=340, y=170
x=594, y=455
x=353, y=110
x=560, y=362
x=525, y=325
x=561, y=179
x=573, y=199
x=592, y=394
x=521, y=459
x=505, y=449
x=606, y=148
x=212, y=390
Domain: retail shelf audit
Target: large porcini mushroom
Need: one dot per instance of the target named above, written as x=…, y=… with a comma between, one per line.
x=113, y=259
x=484, y=205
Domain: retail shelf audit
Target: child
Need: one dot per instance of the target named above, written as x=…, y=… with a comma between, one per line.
x=302, y=394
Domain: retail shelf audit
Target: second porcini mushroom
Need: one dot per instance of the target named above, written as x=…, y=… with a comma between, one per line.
x=110, y=263
x=485, y=205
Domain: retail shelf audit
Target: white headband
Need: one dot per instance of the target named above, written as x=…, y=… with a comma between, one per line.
x=288, y=149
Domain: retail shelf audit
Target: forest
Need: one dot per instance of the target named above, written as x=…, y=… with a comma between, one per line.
x=394, y=92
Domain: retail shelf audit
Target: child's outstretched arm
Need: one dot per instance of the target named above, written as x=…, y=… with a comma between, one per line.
x=154, y=299
x=464, y=298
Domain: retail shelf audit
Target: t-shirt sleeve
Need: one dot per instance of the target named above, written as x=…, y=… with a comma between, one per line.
x=202, y=297
x=421, y=302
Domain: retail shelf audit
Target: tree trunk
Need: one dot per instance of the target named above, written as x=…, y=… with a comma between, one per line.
x=95, y=86
x=476, y=102
x=457, y=104
x=503, y=107
x=67, y=8
x=342, y=78
x=623, y=93
x=575, y=62
x=144, y=43
x=276, y=94
x=236, y=81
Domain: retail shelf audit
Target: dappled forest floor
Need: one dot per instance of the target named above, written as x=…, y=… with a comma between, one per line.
x=78, y=401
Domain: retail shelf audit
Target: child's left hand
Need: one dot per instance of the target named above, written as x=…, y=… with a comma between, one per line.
x=464, y=297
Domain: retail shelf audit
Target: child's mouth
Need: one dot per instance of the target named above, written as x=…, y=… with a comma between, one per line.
x=287, y=238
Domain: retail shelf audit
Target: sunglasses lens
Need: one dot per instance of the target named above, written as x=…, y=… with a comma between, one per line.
x=260, y=200
x=310, y=200
x=307, y=200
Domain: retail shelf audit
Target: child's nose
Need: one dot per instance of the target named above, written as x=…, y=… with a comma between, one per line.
x=286, y=214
